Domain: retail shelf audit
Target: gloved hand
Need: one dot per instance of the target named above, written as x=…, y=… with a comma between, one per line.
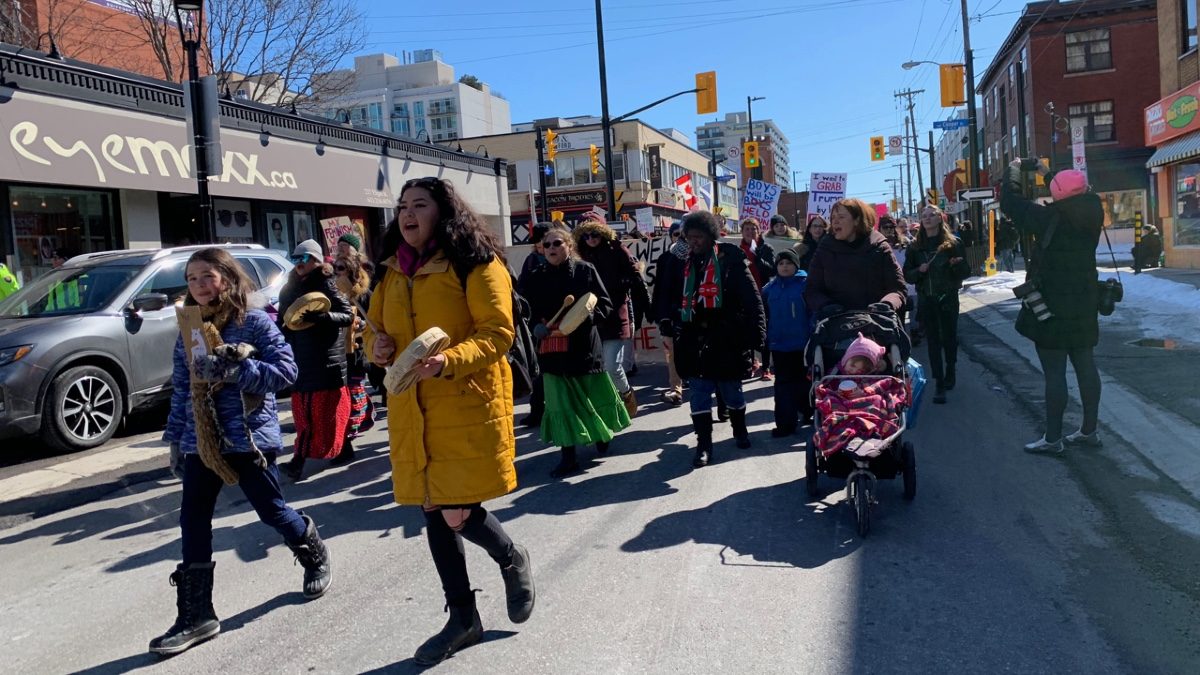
x=176, y=461
x=541, y=332
x=236, y=352
x=213, y=368
x=666, y=328
x=829, y=310
x=316, y=317
x=881, y=308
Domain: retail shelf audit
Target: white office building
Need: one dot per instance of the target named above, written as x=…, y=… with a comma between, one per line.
x=421, y=98
x=720, y=134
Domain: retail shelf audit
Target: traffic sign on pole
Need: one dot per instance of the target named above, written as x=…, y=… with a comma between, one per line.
x=981, y=194
x=950, y=125
x=895, y=145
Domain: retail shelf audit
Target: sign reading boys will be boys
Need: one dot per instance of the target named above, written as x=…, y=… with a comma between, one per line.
x=760, y=200
x=824, y=190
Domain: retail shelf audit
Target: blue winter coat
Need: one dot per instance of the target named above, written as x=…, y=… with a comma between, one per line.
x=788, y=324
x=272, y=369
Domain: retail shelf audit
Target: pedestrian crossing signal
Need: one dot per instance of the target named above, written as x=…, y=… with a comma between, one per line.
x=877, y=148
x=750, y=154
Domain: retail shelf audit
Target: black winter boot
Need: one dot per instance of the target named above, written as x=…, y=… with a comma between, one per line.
x=294, y=469
x=518, y=585
x=313, y=555
x=737, y=420
x=948, y=383
x=602, y=447
x=345, y=456
x=196, y=621
x=939, y=393
x=462, y=630
x=722, y=412
x=567, y=464
x=703, y=425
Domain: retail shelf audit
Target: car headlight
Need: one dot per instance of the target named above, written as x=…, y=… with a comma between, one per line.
x=13, y=354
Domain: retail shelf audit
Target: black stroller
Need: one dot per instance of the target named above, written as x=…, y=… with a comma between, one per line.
x=892, y=456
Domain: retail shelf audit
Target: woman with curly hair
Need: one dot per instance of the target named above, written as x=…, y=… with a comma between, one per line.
x=597, y=245
x=451, y=433
x=937, y=265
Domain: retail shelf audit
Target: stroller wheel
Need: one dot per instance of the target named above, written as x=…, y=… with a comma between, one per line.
x=810, y=470
x=862, y=503
x=908, y=456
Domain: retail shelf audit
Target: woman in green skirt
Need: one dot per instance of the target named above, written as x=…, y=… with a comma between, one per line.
x=582, y=405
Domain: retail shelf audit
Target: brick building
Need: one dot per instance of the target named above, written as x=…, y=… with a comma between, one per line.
x=1172, y=128
x=1090, y=60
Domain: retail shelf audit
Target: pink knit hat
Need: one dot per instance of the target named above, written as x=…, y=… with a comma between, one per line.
x=1068, y=183
x=863, y=346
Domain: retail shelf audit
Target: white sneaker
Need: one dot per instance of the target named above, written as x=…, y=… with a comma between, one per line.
x=1044, y=447
x=1083, y=440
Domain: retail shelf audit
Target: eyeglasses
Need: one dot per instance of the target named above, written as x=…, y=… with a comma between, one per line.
x=557, y=243
x=674, y=235
x=301, y=259
x=592, y=235
x=888, y=228
x=340, y=268
x=426, y=182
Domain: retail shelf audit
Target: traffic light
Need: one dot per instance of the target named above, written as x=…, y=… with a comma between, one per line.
x=1038, y=178
x=594, y=152
x=551, y=144
x=877, y=148
x=706, y=94
x=750, y=155
x=952, y=80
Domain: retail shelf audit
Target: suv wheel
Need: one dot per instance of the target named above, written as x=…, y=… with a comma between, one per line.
x=83, y=409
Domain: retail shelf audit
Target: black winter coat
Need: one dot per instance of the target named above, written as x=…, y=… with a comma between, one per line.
x=855, y=274
x=544, y=288
x=1065, y=266
x=668, y=288
x=618, y=272
x=320, y=350
x=942, y=278
x=718, y=344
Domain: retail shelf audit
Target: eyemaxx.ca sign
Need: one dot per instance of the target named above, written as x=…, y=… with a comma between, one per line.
x=56, y=141
x=1174, y=115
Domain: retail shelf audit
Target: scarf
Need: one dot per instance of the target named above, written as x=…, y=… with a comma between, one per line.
x=410, y=259
x=353, y=291
x=703, y=292
x=209, y=437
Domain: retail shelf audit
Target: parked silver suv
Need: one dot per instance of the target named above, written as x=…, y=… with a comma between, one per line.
x=92, y=340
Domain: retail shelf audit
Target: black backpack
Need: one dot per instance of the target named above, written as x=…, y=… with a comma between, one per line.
x=522, y=356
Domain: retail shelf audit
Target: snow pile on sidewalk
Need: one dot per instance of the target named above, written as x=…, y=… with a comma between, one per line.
x=1160, y=308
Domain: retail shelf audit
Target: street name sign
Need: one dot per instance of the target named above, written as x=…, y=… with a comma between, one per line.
x=950, y=125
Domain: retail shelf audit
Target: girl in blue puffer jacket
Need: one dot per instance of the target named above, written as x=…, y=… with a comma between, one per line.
x=788, y=327
x=224, y=430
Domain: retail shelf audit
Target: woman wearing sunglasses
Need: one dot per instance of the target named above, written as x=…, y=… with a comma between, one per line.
x=320, y=403
x=451, y=434
x=596, y=243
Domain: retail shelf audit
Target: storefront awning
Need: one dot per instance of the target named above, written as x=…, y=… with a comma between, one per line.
x=1176, y=150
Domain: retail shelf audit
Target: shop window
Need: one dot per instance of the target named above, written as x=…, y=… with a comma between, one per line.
x=1099, y=120
x=1120, y=207
x=45, y=220
x=1186, y=231
x=1088, y=50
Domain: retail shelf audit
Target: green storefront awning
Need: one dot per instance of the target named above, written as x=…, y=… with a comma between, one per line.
x=1175, y=150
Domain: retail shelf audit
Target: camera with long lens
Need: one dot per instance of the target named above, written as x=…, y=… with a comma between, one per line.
x=1032, y=298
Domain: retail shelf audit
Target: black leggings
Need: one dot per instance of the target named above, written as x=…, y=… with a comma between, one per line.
x=1054, y=365
x=482, y=529
x=939, y=317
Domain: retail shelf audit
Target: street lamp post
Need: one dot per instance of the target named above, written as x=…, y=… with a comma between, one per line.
x=191, y=45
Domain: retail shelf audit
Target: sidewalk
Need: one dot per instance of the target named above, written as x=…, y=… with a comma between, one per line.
x=1149, y=358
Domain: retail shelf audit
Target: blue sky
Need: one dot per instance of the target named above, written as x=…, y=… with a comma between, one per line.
x=828, y=68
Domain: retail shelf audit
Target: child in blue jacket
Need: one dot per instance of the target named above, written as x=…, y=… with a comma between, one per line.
x=788, y=327
x=224, y=430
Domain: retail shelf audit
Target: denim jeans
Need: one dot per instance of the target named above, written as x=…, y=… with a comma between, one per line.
x=261, y=487
x=702, y=392
x=614, y=363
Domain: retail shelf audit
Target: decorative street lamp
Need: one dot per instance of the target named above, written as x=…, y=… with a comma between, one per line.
x=190, y=37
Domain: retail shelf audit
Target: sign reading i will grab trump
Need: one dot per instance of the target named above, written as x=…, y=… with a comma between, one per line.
x=760, y=200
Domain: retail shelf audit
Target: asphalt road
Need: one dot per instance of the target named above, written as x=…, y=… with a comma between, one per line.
x=1004, y=563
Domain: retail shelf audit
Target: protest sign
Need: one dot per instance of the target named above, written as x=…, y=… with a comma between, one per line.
x=334, y=228
x=760, y=200
x=825, y=189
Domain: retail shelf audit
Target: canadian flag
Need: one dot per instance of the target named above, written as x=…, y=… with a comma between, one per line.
x=684, y=184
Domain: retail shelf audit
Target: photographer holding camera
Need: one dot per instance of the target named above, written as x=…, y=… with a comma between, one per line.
x=1061, y=293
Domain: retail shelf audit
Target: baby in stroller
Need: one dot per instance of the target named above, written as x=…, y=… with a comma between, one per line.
x=860, y=403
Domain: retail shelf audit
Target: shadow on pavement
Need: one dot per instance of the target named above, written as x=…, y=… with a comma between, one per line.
x=410, y=666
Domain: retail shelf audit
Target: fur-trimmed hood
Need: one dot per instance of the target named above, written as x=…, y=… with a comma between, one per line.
x=356, y=290
x=588, y=227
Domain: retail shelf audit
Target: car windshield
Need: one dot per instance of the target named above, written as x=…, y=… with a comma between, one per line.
x=69, y=290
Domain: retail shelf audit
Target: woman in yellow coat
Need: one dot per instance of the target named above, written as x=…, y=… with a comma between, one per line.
x=452, y=440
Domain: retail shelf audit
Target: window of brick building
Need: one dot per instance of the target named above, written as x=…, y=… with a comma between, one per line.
x=1099, y=118
x=1088, y=50
x=1187, y=24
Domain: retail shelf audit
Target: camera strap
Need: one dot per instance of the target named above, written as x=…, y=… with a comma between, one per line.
x=1110, y=251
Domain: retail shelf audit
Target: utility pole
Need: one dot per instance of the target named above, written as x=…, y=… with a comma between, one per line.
x=932, y=165
x=541, y=148
x=900, y=169
x=912, y=122
x=908, y=167
x=972, y=121
x=605, y=123
x=716, y=187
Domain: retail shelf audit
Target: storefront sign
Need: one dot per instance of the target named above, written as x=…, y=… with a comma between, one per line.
x=1174, y=115
x=655, y=168
x=581, y=140
x=43, y=141
x=575, y=198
